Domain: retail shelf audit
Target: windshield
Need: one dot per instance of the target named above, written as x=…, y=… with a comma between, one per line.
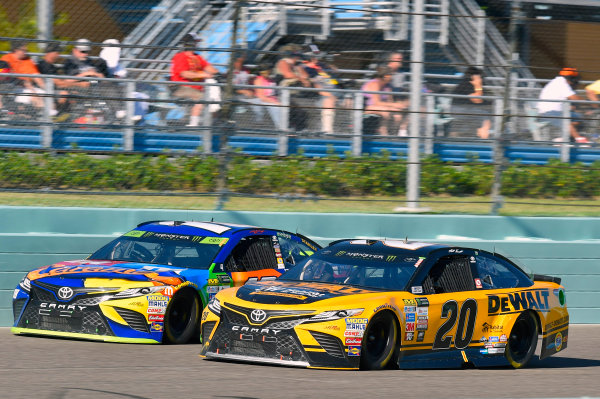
x=185, y=251
x=390, y=273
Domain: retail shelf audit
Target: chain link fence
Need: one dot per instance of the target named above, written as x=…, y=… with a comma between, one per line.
x=406, y=83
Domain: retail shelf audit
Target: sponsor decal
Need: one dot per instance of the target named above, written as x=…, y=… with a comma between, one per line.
x=212, y=289
x=204, y=315
x=503, y=338
x=478, y=284
x=558, y=341
x=416, y=289
x=500, y=345
x=257, y=231
x=410, y=302
x=356, y=320
x=410, y=317
x=157, y=304
x=422, y=311
x=353, y=341
x=410, y=309
x=390, y=258
x=283, y=294
x=156, y=327
x=508, y=303
x=557, y=322
x=483, y=351
x=284, y=235
x=355, y=327
x=156, y=317
x=15, y=293
x=472, y=259
x=186, y=284
x=168, y=291
x=220, y=241
x=455, y=250
x=354, y=351
x=293, y=291
x=494, y=351
x=330, y=327
x=418, y=263
x=409, y=336
x=213, y=281
x=134, y=233
x=353, y=333
x=279, y=260
x=156, y=310
x=410, y=327
x=483, y=339
x=422, y=325
x=494, y=339
x=381, y=307
x=422, y=301
x=420, y=336
x=487, y=327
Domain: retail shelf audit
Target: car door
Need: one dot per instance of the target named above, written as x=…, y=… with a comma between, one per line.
x=447, y=313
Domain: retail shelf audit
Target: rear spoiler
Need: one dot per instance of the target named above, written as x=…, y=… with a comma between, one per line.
x=543, y=277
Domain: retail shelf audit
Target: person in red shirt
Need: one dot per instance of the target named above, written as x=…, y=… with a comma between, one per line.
x=187, y=66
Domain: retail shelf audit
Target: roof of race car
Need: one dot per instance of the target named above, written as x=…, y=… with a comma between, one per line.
x=396, y=247
x=194, y=228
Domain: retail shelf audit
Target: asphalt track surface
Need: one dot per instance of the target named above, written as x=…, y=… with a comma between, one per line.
x=32, y=367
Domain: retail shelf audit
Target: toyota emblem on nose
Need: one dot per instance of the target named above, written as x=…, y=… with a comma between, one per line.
x=258, y=315
x=65, y=292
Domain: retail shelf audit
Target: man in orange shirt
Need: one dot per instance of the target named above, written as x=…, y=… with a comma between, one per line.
x=20, y=62
x=187, y=66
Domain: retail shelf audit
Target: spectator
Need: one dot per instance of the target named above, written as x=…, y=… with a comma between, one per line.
x=48, y=66
x=394, y=62
x=319, y=75
x=561, y=88
x=80, y=65
x=382, y=104
x=187, y=66
x=288, y=70
x=242, y=76
x=472, y=112
x=266, y=98
x=593, y=92
x=112, y=56
x=20, y=62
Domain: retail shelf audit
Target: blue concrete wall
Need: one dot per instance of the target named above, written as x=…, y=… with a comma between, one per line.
x=565, y=247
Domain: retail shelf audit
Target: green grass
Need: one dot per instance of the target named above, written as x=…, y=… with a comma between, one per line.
x=372, y=204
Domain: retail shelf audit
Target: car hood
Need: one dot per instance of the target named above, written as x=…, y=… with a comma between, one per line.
x=295, y=292
x=80, y=269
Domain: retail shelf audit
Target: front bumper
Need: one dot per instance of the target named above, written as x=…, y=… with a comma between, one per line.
x=284, y=341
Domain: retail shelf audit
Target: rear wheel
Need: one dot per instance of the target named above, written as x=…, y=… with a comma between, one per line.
x=522, y=340
x=181, y=317
x=379, y=342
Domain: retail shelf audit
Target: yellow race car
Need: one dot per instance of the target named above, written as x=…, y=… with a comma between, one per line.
x=374, y=304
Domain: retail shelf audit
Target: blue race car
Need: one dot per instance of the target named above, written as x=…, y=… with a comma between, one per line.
x=151, y=284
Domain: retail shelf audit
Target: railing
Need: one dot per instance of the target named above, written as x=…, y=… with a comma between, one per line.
x=436, y=116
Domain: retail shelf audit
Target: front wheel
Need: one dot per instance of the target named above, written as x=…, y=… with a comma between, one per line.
x=379, y=342
x=522, y=340
x=181, y=317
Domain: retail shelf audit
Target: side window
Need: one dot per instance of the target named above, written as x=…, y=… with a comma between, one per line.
x=451, y=273
x=495, y=273
x=252, y=253
x=293, y=251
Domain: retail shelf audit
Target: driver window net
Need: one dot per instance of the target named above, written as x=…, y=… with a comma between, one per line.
x=252, y=254
x=450, y=274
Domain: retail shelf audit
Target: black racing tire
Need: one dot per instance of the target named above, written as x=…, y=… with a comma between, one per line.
x=182, y=317
x=522, y=341
x=379, y=343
